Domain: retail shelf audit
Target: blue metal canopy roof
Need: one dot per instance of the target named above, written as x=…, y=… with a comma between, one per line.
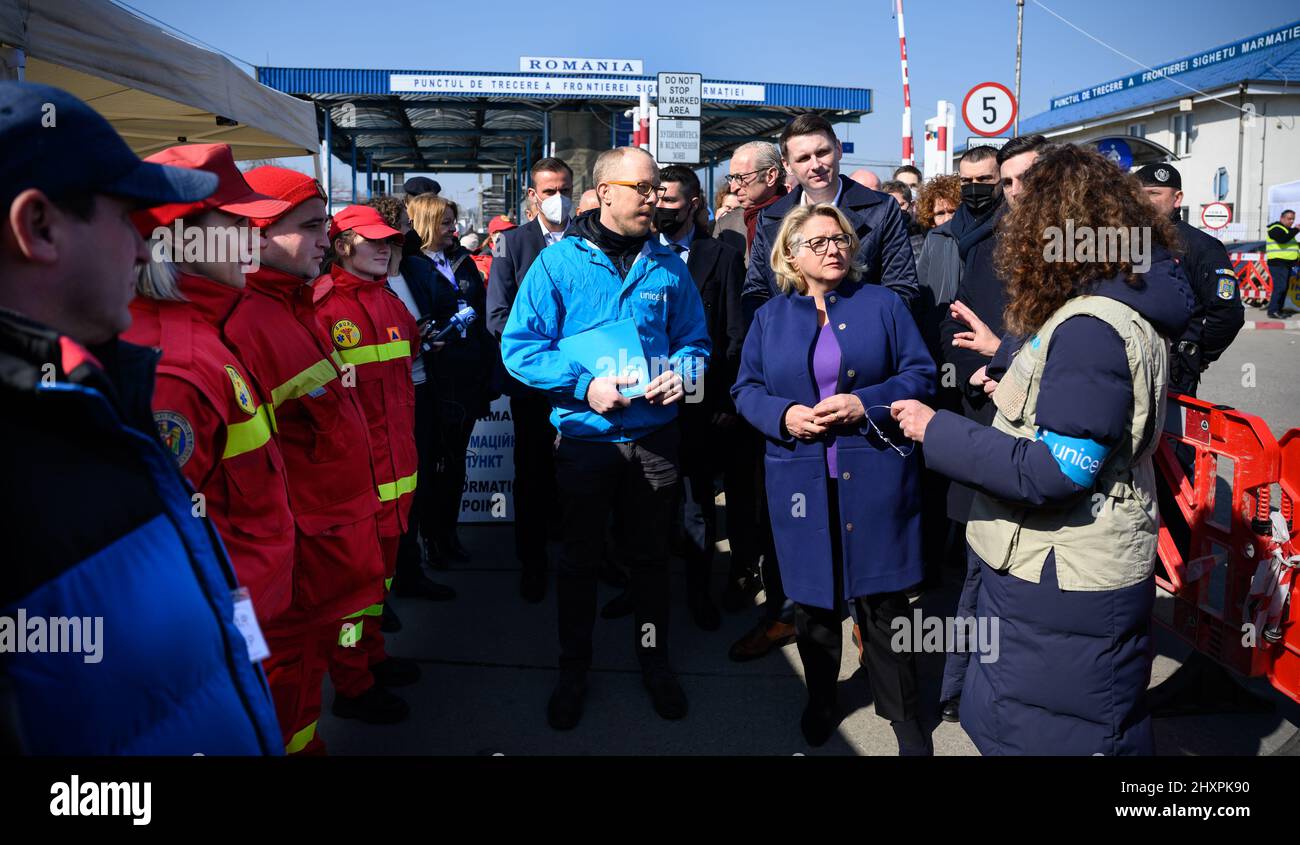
x=1272, y=56
x=312, y=81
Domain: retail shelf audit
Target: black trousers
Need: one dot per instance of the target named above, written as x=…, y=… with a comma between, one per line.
x=449, y=482
x=536, y=495
x=1281, y=273
x=820, y=639
x=423, y=519
x=742, y=461
x=776, y=606
x=640, y=479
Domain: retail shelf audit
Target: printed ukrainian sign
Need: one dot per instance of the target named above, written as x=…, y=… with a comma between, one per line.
x=1225, y=53
x=519, y=85
x=490, y=468
x=561, y=64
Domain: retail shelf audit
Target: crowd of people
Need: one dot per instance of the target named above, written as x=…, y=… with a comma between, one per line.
x=233, y=463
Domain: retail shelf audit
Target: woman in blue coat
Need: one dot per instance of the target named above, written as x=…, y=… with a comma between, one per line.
x=820, y=366
x=1064, y=523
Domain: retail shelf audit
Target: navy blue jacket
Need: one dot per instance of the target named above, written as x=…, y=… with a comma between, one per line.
x=99, y=524
x=1073, y=665
x=467, y=372
x=1086, y=393
x=885, y=251
x=883, y=359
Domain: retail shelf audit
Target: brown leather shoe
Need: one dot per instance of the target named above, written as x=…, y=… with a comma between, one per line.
x=763, y=638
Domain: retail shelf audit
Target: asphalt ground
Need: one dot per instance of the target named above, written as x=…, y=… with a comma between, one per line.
x=489, y=659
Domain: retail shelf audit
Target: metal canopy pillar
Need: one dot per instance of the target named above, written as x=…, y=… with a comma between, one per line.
x=370, y=176
x=354, y=171
x=546, y=133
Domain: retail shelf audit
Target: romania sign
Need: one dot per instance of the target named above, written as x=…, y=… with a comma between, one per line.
x=560, y=64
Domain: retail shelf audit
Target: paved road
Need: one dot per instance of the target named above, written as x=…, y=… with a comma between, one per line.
x=488, y=658
x=1260, y=374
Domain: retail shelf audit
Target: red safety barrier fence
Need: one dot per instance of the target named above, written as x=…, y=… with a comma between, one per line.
x=1225, y=554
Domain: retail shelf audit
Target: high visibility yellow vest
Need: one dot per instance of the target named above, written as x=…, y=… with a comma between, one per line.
x=1287, y=251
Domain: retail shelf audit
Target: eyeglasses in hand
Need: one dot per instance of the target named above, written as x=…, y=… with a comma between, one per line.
x=910, y=446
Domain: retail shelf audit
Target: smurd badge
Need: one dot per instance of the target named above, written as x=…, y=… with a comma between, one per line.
x=394, y=333
x=346, y=334
x=176, y=434
x=243, y=395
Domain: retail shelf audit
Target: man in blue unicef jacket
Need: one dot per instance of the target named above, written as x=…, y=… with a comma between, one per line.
x=613, y=450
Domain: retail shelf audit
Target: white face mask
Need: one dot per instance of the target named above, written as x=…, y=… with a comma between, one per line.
x=556, y=209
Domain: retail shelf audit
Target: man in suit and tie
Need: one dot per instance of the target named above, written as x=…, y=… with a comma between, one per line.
x=708, y=419
x=551, y=195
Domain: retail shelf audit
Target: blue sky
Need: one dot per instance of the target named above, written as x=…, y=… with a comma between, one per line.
x=951, y=45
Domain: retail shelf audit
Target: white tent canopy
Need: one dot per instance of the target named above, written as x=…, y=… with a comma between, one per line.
x=1281, y=197
x=155, y=89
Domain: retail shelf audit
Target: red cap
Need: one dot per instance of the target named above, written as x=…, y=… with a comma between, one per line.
x=500, y=223
x=292, y=186
x=233, y=194
x=366, y=221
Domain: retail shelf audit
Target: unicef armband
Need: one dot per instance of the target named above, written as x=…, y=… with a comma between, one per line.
x=1079, y=459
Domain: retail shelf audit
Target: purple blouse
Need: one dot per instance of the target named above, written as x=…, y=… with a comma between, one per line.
x=826, y=372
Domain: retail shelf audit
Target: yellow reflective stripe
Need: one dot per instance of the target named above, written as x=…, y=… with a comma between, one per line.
x=388, y=584
x=299, y=740
x=390, y=490
x=350, y=633
x=374, y=353
x=374, y=610
x=318, y=374
x=250, y=434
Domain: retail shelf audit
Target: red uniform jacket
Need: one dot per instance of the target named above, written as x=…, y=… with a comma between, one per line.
x=371, y=329
x=212, y=416
x=320, y=421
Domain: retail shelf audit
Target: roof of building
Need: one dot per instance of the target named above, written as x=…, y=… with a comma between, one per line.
x=445, y=120
x=1272, y=56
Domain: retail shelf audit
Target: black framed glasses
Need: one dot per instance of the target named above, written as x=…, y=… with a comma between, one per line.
x=820, y=245
x=645, y=189
x=742, y=179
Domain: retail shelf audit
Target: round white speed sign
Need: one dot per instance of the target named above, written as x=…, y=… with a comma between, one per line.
x=989, y=109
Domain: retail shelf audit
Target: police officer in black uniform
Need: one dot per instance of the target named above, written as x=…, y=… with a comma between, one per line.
x=1219, y=313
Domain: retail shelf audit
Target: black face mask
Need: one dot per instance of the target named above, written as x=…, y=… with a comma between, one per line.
x=978, y=197
x=668, y=221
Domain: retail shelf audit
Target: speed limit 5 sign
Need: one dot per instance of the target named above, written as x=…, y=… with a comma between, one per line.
x=989, y=109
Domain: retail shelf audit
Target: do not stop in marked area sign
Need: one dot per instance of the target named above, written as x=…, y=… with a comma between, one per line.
x=677, y=141
x=1216, y=215
x=678, y=94
x=989, y=109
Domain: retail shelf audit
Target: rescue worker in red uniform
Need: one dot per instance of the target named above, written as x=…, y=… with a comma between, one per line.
x=331, y=483
x=374, y=338
x=211, y=413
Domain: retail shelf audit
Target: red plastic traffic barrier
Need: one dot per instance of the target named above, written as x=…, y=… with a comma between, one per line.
x=1214, y=533
x=1253, y=278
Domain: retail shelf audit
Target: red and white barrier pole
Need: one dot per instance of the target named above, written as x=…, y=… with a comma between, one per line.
x=909, y=156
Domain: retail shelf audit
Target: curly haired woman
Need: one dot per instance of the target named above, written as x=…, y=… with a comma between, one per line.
x=1064, y=525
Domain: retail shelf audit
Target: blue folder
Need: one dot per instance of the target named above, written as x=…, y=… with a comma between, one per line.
x=613, y=349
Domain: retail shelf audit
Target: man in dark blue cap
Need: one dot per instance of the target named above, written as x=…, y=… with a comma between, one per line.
x=1219, y=314
x=117, y=609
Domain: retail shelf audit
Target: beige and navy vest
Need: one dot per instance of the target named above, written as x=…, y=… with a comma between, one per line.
x=1105, y=539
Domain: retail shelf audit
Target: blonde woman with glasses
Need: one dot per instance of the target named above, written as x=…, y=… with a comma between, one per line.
x=821, y=364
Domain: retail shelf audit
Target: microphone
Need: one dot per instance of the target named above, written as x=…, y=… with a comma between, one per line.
x=459, y=322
